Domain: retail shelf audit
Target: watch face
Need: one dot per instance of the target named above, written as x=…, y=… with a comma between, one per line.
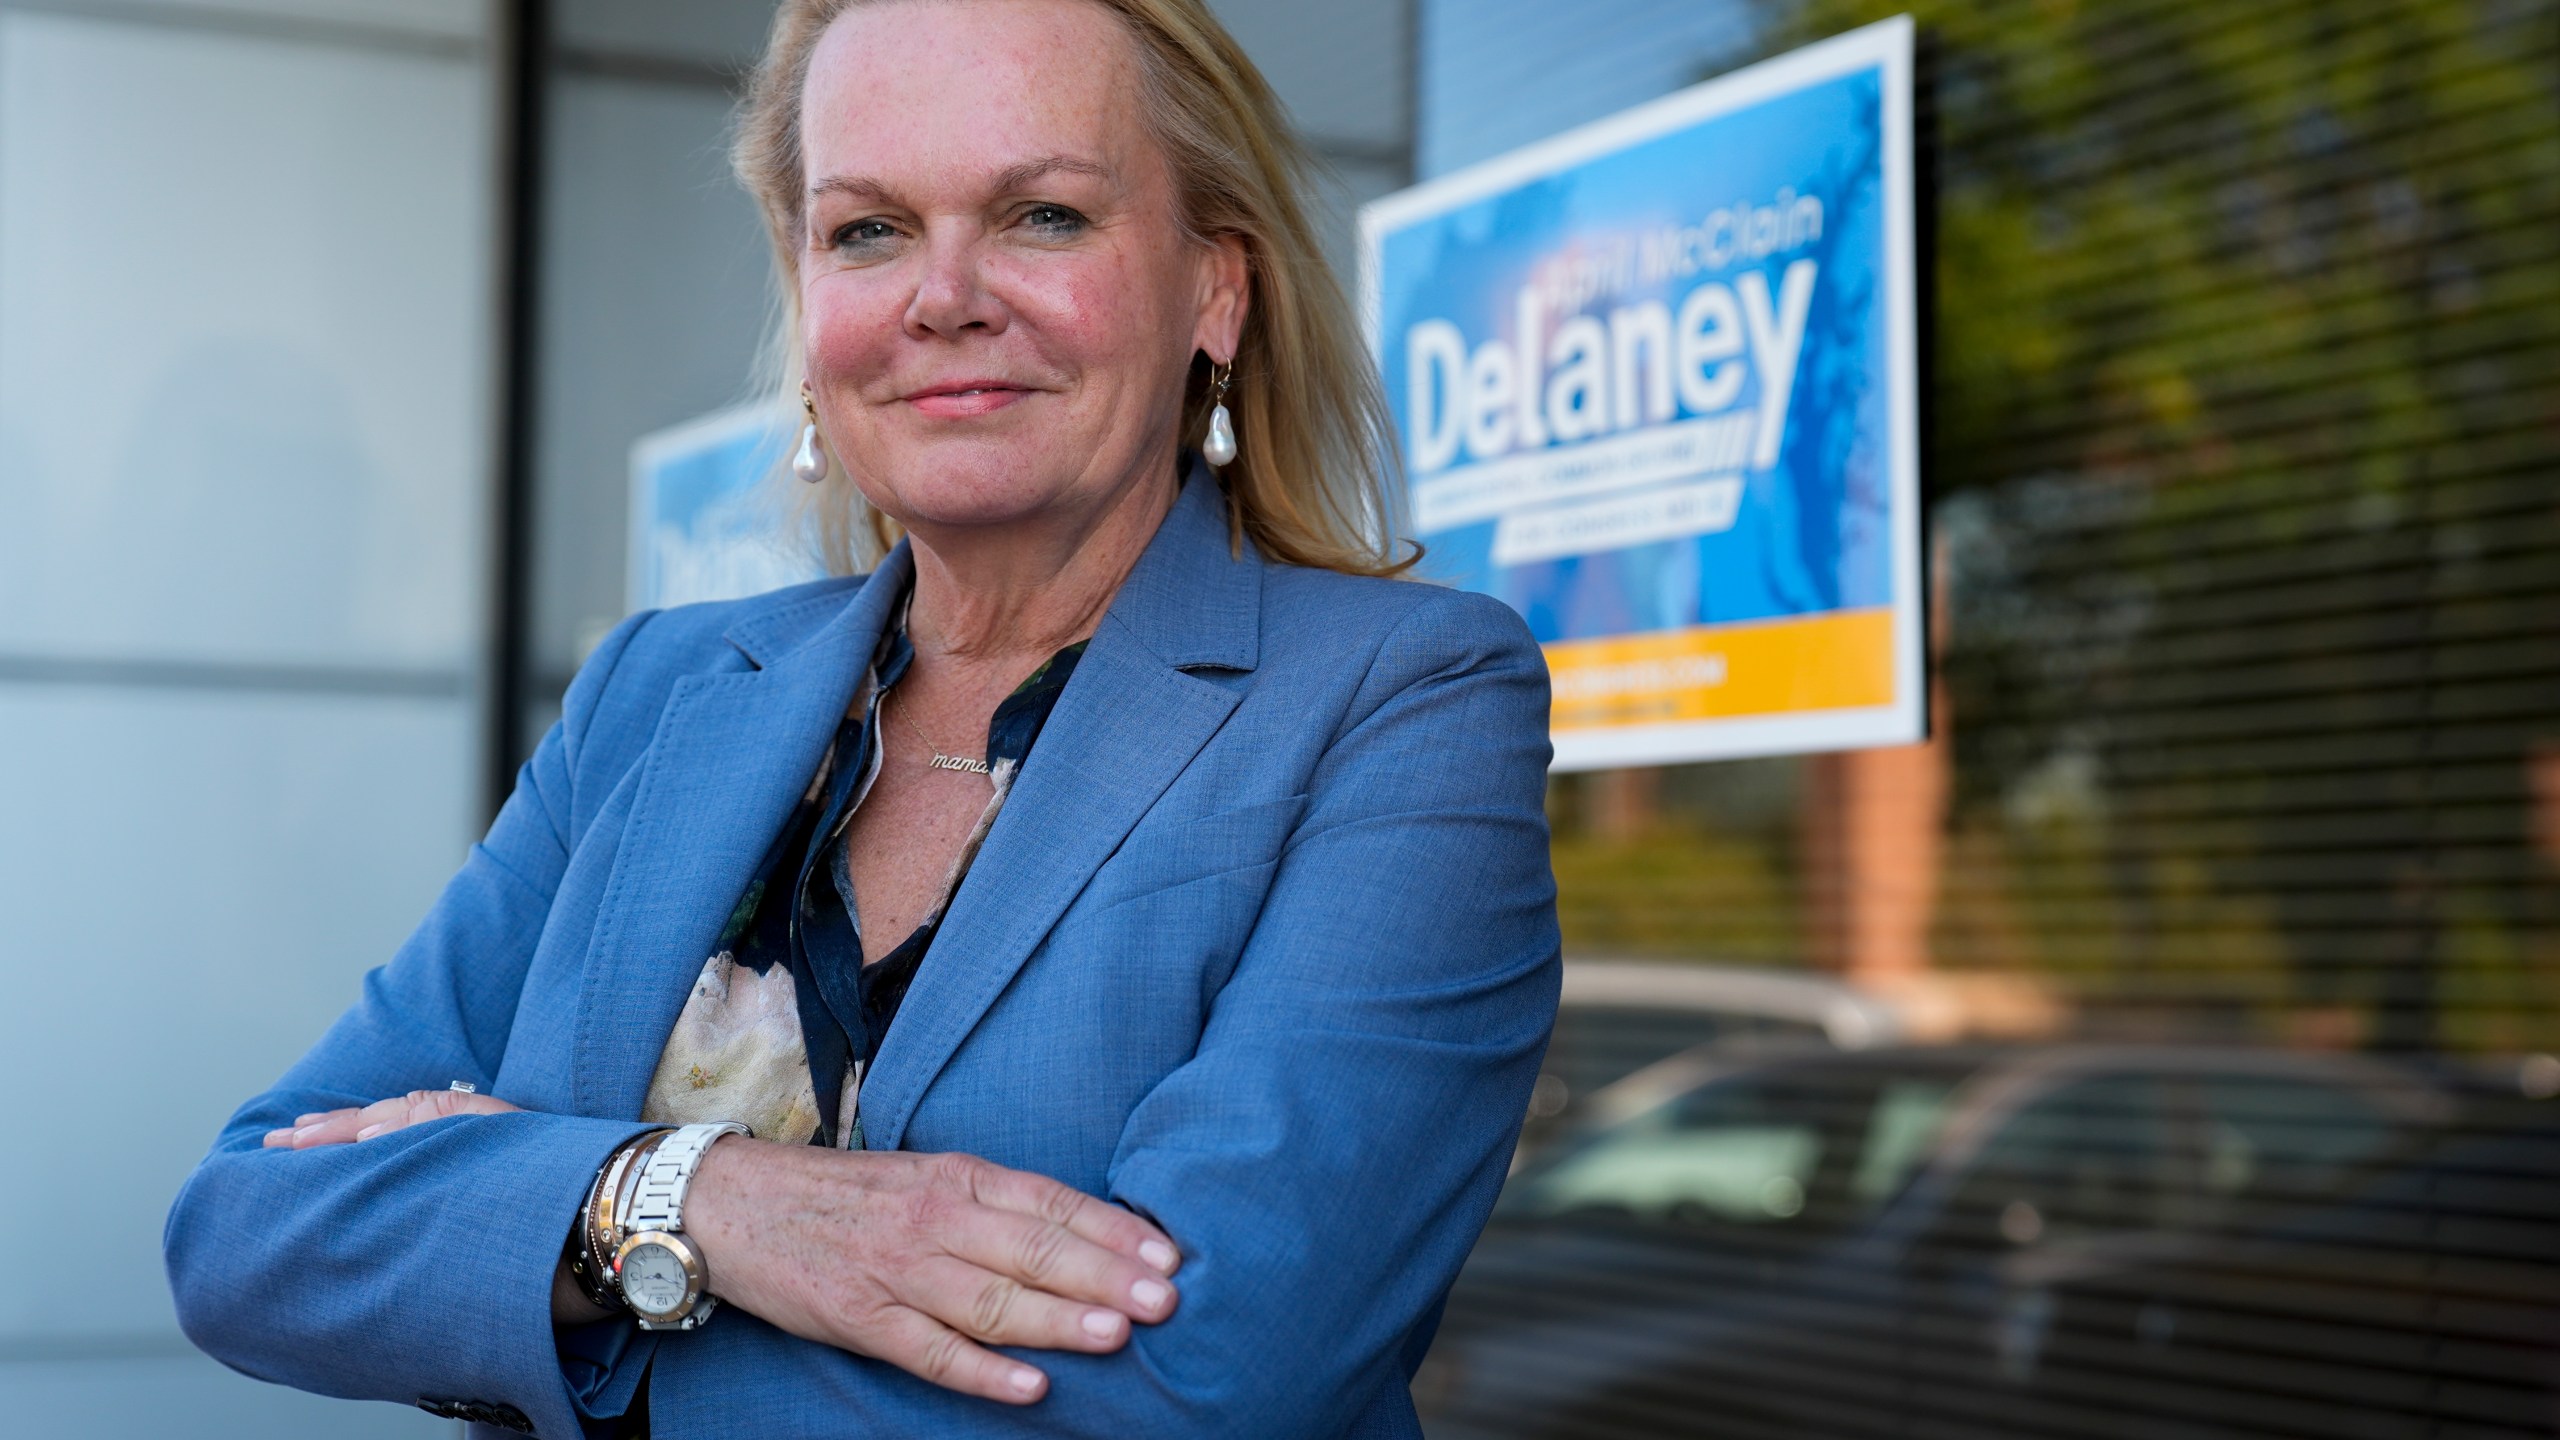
x=653, y=1279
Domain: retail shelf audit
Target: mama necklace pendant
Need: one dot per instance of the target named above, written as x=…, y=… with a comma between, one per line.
x=940, y=760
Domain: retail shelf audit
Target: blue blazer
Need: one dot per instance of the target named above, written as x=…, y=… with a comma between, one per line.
x=1263, y=946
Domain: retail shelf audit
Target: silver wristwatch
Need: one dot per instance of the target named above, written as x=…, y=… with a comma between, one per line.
x=661, y=1273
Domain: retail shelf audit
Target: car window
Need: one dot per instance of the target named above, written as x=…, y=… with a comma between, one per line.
x=1750, y=1173
x=1594, y=1045
x=2280, y=1138
x=1806, y=1150
x=2091, y=1156
x=1905, y=1122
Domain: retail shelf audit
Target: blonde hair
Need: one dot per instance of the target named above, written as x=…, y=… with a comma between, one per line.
x=1312, y=482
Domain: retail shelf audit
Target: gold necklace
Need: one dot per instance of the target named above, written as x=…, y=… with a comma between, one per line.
x=940, y=760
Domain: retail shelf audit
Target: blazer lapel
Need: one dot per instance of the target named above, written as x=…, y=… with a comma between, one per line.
x=1129, y=721
x=733, y=753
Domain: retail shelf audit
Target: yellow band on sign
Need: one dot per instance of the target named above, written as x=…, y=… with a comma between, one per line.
x=1839, y=661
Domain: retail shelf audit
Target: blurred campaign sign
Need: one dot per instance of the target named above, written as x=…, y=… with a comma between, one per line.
x=1656, y=383
x=709, y=521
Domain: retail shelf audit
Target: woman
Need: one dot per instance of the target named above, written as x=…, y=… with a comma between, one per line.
x=1223, y=967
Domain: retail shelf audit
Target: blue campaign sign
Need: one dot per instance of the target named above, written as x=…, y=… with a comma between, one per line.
x=709, y=517
x=1656, y=384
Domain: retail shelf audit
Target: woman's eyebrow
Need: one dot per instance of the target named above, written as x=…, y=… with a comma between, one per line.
x=1011, y=180
x=859, y=187
x=1015, y=178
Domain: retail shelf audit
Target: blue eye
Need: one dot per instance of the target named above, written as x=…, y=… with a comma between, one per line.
x=865, y=232
x=1055, y=220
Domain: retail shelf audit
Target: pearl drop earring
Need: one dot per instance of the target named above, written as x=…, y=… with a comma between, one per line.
x=1219, y=448
x=809, y=462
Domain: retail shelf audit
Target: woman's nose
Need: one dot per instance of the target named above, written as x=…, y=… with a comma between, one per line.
x=951, y=296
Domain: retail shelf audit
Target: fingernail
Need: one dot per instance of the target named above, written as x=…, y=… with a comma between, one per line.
x=1151, y=1294
x=277, y=1136
x=1024, y=1379
x=368, y=1132
x=1101, y=1324
x=304, y=1132
x=1158, y=1254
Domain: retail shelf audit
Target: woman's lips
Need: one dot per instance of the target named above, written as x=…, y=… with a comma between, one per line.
x=958, y=402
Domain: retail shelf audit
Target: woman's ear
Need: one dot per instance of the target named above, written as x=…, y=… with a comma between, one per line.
x=1226, y=289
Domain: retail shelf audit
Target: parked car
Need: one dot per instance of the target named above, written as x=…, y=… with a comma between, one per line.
x=1618, y=1016
x=1796, y=1240
x=2426, y=1303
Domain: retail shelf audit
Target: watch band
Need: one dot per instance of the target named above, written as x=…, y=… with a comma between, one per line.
x=657, y=1202
x=651, y=1218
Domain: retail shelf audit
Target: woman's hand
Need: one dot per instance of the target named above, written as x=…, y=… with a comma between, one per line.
x=919, y=1260
x=923, y=1260
x=337, y=1127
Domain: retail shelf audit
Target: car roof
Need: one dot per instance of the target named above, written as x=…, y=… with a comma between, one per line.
x=1851, y=1018
x=2006, y=1067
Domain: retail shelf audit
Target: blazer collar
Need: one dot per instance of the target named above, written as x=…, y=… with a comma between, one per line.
x=769, y=634
x=733, y=753
x=1129, y=721
x=1192, y=599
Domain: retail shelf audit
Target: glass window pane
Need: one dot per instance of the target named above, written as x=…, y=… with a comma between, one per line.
x=243, y=347
x=196, y=884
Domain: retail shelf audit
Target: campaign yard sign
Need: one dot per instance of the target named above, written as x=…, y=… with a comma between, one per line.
x=1656, y=384
x=709, y=521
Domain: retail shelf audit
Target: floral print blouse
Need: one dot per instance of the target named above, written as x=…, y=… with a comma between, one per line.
x=785, y=1018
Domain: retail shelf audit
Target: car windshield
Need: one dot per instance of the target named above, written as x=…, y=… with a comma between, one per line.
x=1805, y=1149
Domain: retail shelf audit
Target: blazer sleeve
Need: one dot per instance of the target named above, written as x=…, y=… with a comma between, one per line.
x=1329, y=1156
x=418, y=1266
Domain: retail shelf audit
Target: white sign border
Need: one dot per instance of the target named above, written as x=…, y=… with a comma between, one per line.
x=1885, y=46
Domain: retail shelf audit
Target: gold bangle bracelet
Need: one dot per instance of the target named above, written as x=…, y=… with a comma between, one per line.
x=600, y=1228
x=582, y=1240
x=615, y=1200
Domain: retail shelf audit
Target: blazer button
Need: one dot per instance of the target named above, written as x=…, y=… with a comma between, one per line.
x=444, y=1409
x=511, y=1418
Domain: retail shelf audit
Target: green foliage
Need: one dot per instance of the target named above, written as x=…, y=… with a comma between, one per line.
x=1678, y=892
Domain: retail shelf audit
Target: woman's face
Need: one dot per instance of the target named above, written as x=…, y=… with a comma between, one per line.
x=999, y=303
